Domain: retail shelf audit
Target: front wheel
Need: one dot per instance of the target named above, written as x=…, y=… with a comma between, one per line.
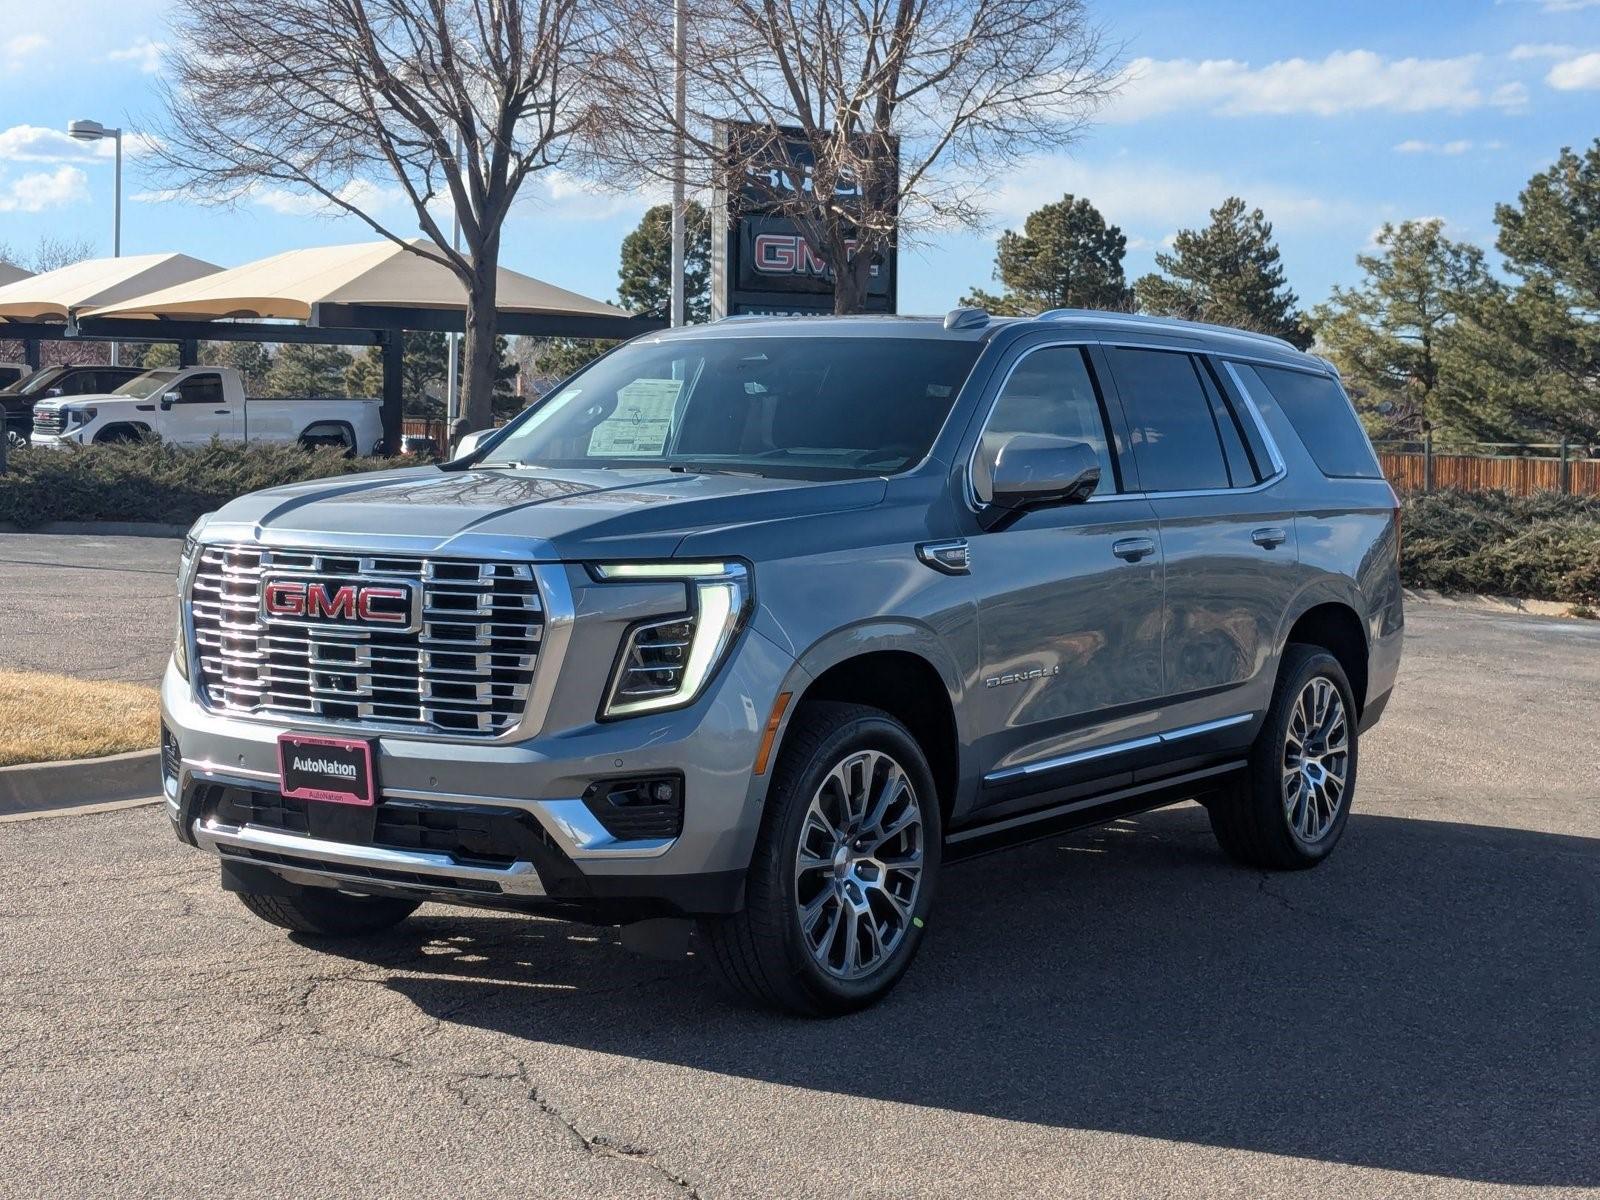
x=329, y=913
x=844, y=869
x=1291, y=808
x=15, y=440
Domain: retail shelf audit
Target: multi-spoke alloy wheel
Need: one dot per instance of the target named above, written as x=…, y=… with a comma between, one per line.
x=845, y=869
x=1316, y=760
x=858, y=867
x=1288, y=809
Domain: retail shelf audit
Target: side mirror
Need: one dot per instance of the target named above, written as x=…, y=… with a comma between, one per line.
x=469, y=442
x=1034, y=471
x=52, y=393
x=168, y=399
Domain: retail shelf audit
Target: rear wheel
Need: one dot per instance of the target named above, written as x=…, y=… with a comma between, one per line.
x=1291, y=809
x=844, y=869
x=329, y=913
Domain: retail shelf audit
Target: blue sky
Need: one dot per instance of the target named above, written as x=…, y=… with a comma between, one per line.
x=1331, y=117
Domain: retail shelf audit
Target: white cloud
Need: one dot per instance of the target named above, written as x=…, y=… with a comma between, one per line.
x=37, y=143
x=1148, y=199
x=1557, y=6
x=1459, y=146
x=1344, y=81
x=43, y=190
x=1576, y=74
x=143, y=53
x=18, y=48
x=1533, y=50
x=1512, y=97
x=363, y=194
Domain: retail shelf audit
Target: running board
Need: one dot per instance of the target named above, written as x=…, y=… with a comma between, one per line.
x=975, y=840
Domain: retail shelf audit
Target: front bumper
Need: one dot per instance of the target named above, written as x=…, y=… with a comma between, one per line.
x=556, y=852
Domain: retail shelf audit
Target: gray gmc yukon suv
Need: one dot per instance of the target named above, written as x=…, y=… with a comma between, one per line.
x=761, y=623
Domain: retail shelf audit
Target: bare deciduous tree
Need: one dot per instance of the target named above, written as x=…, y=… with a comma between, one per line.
x=343, y=100
x=841, y=92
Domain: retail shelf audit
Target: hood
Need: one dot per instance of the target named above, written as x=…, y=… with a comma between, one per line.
x=546, y=514
x=55, y=402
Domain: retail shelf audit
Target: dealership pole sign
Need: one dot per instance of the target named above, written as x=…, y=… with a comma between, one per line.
x=760, y=261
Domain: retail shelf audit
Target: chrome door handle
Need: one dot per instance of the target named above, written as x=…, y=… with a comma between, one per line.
x=1133, y=549
x=1269, y=539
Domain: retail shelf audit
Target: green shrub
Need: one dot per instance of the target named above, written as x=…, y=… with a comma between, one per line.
x=150, y=481
x=1540, y=547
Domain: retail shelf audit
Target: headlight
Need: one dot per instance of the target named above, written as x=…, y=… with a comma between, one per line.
x=80, y=416
x=187, y=562
x=666, y=662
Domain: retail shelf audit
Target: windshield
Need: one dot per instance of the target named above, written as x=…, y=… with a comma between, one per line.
x=147, y=384
x=29, y=384
x=801, y=407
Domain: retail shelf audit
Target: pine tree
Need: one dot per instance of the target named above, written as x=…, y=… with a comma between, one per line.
x=1230, y=273
x=1065, y=257
x=1537, y=347
x=1387, y=334
x=645, y=277
x=300, y=369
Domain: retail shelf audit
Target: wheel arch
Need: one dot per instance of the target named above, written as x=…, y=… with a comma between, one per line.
x=903, y=671
x=346, y=428
x=121, y=431
x=1335, y=626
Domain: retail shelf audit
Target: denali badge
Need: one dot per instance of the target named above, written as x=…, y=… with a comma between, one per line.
x=322, y=602
x=1021, y=676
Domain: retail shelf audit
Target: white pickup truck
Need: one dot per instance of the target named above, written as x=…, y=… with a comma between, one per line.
x=189, y=406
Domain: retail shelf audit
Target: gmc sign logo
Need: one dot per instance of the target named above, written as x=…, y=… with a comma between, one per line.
x=791, y=254
x=311, y=602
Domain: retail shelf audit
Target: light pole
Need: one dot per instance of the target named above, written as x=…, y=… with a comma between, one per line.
x=680, y=22
x=93, y=131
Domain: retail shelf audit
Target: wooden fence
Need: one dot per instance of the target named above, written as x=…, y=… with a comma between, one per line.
x=1412, y=470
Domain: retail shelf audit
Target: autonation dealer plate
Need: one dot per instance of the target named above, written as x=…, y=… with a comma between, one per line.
x=333, y=770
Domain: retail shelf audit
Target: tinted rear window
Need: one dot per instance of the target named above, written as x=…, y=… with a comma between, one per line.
x=1323, y=418
x=1170, y=422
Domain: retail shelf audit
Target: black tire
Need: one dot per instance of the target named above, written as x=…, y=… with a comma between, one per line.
x=761, y=952
x=1256, y=823
x=16, y=440
x=329, y=913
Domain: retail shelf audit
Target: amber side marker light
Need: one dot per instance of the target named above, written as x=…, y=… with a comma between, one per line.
x=779, y=707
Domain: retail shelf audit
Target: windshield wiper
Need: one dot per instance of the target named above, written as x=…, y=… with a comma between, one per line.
x=692, y=468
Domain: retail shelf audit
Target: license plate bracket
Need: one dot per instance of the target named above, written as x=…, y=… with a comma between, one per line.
x=329, y=770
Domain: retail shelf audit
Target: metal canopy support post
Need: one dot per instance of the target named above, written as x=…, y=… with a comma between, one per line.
x=394, y=348
x=30, y=353
x=188, y=352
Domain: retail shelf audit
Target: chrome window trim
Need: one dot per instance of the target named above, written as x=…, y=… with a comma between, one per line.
x=1138, y=743
x=1279, y=469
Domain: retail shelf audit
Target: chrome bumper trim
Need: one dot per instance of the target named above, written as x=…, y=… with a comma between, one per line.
x=518, y=879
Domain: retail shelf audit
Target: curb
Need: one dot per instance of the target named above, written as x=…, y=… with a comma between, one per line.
x=37, y=787
x=158, y=529
x=1480, y=602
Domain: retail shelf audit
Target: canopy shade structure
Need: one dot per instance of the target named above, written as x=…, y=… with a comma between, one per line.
x=334, y=281
x=62, y=294
x=10, y=273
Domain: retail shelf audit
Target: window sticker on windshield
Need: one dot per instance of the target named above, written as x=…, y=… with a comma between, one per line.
x=642, y=420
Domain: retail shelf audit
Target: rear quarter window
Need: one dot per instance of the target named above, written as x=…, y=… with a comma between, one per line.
x=1320, y=413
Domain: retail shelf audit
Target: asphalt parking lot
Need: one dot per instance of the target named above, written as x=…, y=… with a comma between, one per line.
x=1116, y=1013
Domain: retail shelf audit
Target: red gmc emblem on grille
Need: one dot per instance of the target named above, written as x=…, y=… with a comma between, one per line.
x=302, y=602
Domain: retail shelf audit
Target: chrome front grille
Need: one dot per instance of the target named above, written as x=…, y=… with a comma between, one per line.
x=465, y=672
x=52, y=421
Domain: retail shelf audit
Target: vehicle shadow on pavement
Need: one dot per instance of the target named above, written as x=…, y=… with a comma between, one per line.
x=1423, y=1002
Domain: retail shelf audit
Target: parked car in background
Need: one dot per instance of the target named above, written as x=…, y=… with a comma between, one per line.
x=49, y=383
x=10, y=372
x=759, y=622
x=189, y=406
